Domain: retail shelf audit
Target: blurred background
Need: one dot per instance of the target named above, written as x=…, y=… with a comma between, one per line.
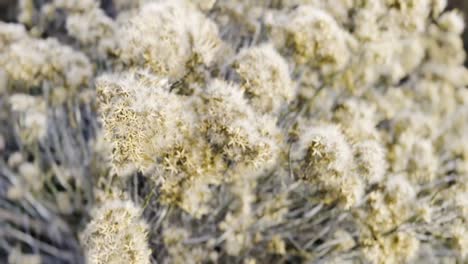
x=8, y=11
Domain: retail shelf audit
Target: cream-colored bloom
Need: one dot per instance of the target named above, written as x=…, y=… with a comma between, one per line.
x=370, y=160
x=314, y=36
x=141, y=119
x=116, y=234
x=323, y=157
x=230, y=126
x=265, y=78
x=453, y=22
x=36, y=62
x=32, y=116
x=180, y=35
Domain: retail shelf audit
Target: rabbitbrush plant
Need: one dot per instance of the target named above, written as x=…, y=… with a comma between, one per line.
x=233, y=131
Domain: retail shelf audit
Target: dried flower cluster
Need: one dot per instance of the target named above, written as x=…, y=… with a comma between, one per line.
x=116, y=235
x=221, y=131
